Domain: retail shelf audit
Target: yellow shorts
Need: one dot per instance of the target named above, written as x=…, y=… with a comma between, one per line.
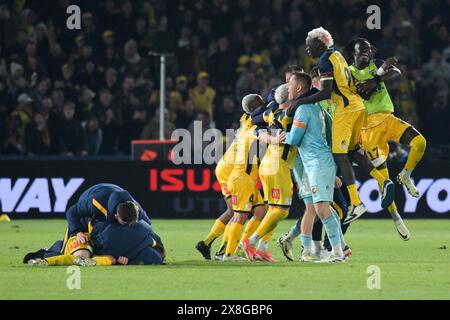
x=346, y=131
x=70, y=246
x=379, y=129
x=278, y=188
x=223, y=172
x=244, y=193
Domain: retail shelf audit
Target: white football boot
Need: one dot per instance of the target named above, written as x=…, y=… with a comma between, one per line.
x=286, y=246
x=354, y=212
x=405, y=179
x=402, y=230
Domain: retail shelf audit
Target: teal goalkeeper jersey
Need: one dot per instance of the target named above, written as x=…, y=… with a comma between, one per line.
x=379, y=101
x=311, y=132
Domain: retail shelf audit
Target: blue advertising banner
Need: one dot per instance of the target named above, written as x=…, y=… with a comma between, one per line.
x=46, y=189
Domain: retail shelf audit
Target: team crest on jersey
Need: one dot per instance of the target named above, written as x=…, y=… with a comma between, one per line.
x=314, y=189
x=276, y=193
x=234, y=200
x=343, y=144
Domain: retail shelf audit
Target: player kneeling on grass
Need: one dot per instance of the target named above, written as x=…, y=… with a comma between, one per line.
x=311, y=133
x=127, y=241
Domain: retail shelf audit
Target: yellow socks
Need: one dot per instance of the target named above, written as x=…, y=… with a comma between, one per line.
x=267, y=237
x=234, y=235
x=103, y=260
x=377, y=176
x=418, y=145
x=250, y=228
x=353, y=193
x=223, y=245
x=216, y=231
x=62, y=260
x=273, y=217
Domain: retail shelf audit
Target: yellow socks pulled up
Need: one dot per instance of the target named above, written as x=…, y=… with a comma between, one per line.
x=217, y=230
x=378, y=176
x=353, y=193
x=62, y=260
x=103, y=260
x=223, y=245
x=418, y=145
x=273, y=217
x=267, y=237
x=234, y=235
x=250, y=228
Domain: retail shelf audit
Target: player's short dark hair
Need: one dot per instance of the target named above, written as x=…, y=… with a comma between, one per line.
x=293, y=68
x=303, y=78
x=128, y=211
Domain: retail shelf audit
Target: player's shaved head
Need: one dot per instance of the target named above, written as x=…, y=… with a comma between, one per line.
x=251, y=102
x=127, y=212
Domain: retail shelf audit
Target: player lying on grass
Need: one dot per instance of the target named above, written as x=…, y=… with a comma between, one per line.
x=339, y=204
x=127, y=241
x=348, y=119
x=223, y=170
x=381, y=125
x=311, y=134
x=242, y=183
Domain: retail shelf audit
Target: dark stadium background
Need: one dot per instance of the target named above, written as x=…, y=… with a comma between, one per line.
x=105, y=74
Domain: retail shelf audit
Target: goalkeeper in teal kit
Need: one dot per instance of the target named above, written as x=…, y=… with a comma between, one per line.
x=315, y=170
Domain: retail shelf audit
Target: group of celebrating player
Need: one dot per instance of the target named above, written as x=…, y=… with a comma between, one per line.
x=313, y=127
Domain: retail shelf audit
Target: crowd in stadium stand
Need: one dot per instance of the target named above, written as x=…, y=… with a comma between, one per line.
x=92, y=91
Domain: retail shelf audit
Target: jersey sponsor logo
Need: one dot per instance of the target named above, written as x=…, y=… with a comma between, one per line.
x=276, y=194
x=314, y=189
x=343, y=144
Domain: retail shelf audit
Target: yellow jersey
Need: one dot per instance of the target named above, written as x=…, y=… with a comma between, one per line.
x=280, y=120
x=332, y=66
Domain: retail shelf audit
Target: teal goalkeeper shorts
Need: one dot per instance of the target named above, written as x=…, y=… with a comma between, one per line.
x=315, y=184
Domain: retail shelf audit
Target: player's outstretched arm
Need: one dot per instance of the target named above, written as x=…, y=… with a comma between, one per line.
x=324, y=94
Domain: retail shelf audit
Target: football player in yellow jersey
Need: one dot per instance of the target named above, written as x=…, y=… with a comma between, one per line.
x=275, y=175
x=223, y=170
x=242, y=183
x=349, y=116
x=382, y=125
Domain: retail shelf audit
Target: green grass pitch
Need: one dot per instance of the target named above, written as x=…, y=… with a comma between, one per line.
x=416, y=269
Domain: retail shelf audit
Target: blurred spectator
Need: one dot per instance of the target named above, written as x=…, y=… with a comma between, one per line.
x=37, y=134
x=93, y=136
x=437, y=66
x=229, y=114
x=225, y=49
x=70, y=133
x=203, y=95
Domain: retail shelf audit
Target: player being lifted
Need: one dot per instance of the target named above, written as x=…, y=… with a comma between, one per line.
x=242, y=183
x=381, y=124
x=339, y=203
x=275, y=175
x=348, y=119
x=311, y=133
